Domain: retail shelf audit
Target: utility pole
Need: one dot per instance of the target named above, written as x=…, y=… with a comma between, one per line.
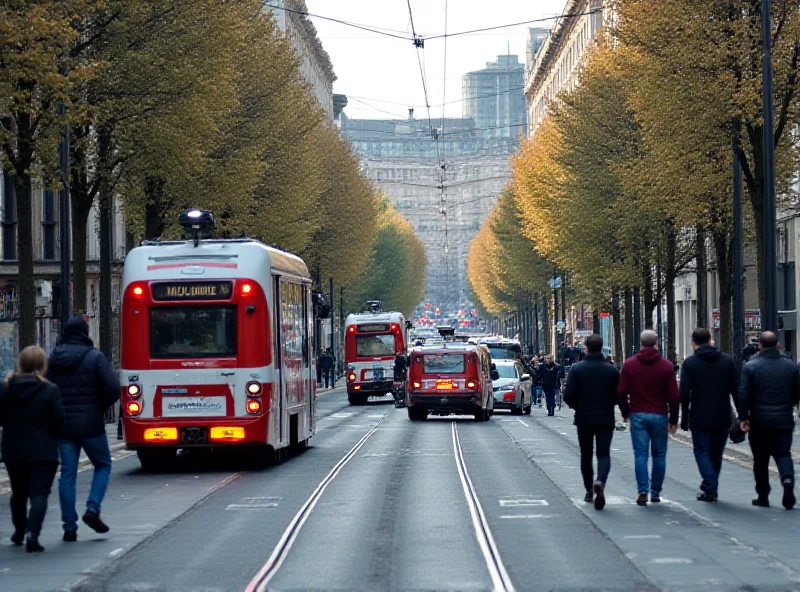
x=769, y=320
x=333, y=335
x=658, y=299
x=637, y=318
x=64, y=207
x=736, y=255
x=536, y=325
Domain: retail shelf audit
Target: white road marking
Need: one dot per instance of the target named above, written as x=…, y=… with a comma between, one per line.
x=254, y=503
x=525, y=516
x=516, y=503
x=672, y=560
x=261, y=580
x=501, y=582
x=642, y=536
x=523, y=423
x=116, y=552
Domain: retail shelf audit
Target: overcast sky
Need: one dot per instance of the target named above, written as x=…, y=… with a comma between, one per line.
x=381, y=71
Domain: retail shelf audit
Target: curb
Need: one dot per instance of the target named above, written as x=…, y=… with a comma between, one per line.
x=730, y=453
x=82, y=464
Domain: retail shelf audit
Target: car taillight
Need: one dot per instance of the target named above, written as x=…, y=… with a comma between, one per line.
x=472, y=384
x=509, y=396
x=351, y=377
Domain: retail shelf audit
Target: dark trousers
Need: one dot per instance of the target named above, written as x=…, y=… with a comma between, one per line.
x=327, y=374
x=778, y=445
x=30, y=481
x=550, y=399
x=595, y=437
x=709, y=446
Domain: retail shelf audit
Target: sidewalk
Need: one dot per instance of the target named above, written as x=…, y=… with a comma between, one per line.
x=114, y=444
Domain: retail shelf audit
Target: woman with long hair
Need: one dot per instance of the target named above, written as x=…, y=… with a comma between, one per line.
x=31, y=414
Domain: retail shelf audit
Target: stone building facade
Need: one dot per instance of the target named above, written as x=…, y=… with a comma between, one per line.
x=315, y=64
x=492, y=98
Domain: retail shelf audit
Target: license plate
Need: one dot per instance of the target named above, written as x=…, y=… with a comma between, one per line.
x=377, y=374
x=444, y=385
x=193, y=407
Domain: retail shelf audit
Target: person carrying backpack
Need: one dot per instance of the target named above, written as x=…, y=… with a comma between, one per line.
x=88, y=387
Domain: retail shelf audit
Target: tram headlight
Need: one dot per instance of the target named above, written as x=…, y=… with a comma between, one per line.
x=351, y=376
x=134, y=391
x=253, y=389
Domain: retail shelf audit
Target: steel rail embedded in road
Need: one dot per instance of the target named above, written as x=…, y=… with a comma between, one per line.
x=501, y=581
x=270, y=568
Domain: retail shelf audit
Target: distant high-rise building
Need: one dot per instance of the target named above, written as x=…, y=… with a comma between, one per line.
x=494, y=99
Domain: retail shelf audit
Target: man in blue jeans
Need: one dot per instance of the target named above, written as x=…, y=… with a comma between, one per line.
x=88, y=387
x=648, y=396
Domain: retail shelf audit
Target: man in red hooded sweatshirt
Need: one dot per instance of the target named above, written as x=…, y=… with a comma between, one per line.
x=648, y=395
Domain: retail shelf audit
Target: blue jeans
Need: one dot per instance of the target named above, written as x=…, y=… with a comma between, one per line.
x=70, y=450
x=550, y=399
x=649, y=434
x=709, y=446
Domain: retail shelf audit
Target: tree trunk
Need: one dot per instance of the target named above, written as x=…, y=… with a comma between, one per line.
x=615, y=312
x=106, y=242
x=702, y=278
x=725, y=275
x=23, y=187
x=546, y=323
x=637, y=319
x=596, y=321
x=669, y=279
x=629, y=347
x=156, y=209
x=80, y=217
x=80, y=208
x=650, y=300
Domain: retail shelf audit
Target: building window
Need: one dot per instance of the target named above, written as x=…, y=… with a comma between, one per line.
x=9, y=218
x=48, y=225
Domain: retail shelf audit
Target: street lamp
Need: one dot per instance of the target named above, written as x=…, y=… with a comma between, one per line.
x=770, y=320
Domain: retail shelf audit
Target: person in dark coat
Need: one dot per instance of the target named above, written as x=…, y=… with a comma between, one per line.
x=769, y=390
x=708, y=381
x=31, y=414
x=550, y=375
x=326, y=362
x=592, y=393
x=88, y=387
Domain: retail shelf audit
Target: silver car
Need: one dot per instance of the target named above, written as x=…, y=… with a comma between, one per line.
x=513, y=389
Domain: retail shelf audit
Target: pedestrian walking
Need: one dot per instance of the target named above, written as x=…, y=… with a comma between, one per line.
x=319, y=370
x=769, y=390
x=31, y=414
x=326, y=361
x=648, y=397
x=592, y=393
x=88, y=387
x=550, y=375
x=708, y=381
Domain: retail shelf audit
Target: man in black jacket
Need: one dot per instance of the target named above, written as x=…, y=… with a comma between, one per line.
x=88, y=387
x=592, y=393
x=769, y=390
x=708, y=381
x=550, y=375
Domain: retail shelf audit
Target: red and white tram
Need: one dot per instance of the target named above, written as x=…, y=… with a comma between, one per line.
x=372, y=340
x=216, y=346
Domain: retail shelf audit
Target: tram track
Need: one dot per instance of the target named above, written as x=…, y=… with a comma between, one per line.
x=501, y=581
x=281, y=551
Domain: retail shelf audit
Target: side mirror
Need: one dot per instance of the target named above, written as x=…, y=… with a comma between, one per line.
x=526, y=377
x=495, y=374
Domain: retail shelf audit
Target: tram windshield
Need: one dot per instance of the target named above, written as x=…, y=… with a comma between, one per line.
x=193, y=332
x=372, y=346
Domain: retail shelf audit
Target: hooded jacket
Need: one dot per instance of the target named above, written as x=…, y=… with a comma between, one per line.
x=647, y=385
x=31, y=415
x=88, y=384
x=770, y=388
x=592, y=391
x=708, y=381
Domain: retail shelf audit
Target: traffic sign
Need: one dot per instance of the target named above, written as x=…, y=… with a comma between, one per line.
x=555, y=283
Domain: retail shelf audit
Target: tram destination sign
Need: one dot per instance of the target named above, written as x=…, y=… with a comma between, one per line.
x=192, y=291
x=373, y=328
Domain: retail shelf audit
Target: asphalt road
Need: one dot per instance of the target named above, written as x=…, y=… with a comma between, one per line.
x=382, y=503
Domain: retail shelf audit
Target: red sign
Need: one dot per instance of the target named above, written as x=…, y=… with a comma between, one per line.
x=605, y=315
